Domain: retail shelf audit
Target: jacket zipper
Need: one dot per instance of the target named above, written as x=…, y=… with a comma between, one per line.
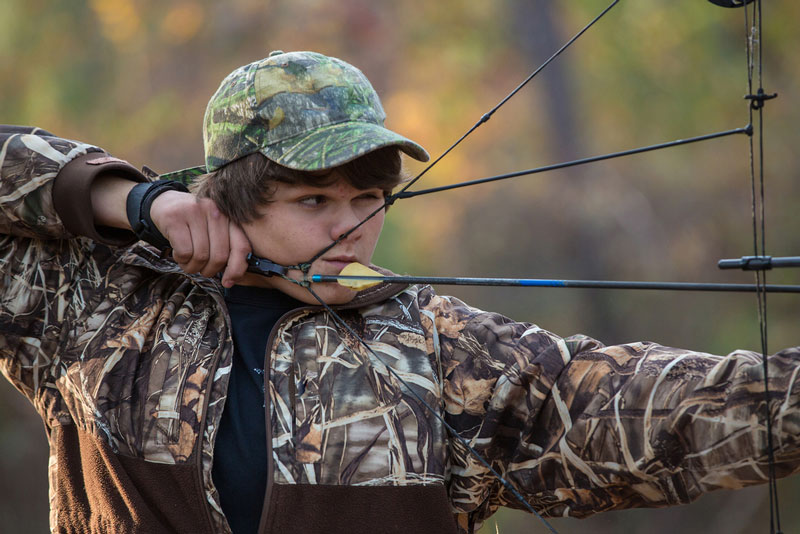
x=371, y=295
x=265, y=509
x=374, y=295
x=198, y=452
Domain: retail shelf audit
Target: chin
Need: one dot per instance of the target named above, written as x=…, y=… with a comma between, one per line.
x=331, y=293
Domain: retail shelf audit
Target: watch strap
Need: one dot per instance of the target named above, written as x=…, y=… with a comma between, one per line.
x=137, y=206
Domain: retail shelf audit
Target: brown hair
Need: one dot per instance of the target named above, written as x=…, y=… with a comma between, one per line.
x=242, y=186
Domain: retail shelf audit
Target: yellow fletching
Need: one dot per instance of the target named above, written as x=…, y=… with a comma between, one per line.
x=357, y=269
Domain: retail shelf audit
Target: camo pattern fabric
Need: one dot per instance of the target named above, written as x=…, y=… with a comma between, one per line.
x=575, y=426
x=340, y=416
x=138, y=354
x=30, y=160
x=302, y=110
x=118, y=342
x=580, y=428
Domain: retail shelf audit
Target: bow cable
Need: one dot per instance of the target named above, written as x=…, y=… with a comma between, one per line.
x=753, y=32
x=756, y=104
x=306, y=266
x=409, y=194
x=484, y=118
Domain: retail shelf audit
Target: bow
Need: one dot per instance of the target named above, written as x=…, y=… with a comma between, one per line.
x=758, y=262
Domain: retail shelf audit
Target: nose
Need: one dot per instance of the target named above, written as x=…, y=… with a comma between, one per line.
x=345, y=219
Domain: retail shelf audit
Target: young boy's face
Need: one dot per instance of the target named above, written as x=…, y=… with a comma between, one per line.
x=301, y=220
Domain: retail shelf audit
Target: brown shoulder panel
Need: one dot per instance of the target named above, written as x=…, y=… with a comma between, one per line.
x=72, y=200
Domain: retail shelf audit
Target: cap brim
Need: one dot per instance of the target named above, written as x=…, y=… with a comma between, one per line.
x=334, y=145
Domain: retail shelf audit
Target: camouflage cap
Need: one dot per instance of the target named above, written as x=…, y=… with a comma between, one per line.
x=302, y=110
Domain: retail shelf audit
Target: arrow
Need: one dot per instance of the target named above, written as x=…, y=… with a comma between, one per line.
x=358, y=276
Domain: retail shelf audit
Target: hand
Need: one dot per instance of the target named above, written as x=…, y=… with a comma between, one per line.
x=203, y=240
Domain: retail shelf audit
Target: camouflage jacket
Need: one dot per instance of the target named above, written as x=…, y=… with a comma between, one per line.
x=127, y=360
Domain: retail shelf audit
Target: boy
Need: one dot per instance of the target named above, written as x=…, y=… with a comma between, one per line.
x=177, y=401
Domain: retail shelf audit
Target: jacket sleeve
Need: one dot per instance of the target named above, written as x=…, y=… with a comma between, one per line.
x=579, y=428
x=45, y=270
x=45, y=183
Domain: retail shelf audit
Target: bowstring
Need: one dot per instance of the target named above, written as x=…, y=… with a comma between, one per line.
x=753, y=33
x=753, y=58
x=390, y=200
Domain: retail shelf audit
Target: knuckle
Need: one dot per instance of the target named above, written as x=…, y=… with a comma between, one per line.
x=207, y=205
x=181, y=256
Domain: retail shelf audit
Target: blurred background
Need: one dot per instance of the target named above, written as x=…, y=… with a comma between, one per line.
x=134, y=78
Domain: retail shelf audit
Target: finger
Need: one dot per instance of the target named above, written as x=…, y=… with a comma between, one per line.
x=180, y=239
x=200, y=247
x=237, y=259
x=219, y=247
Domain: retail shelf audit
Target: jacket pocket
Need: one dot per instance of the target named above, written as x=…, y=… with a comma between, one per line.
x=178, y=364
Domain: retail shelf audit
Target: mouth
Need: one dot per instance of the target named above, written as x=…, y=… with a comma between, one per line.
x=340, y=262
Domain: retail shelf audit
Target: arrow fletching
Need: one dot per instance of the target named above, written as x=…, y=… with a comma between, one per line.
x=357, y=269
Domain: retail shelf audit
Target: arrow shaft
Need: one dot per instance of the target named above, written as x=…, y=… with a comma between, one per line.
x=540, y=282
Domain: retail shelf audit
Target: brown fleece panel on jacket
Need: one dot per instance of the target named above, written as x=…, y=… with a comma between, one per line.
x=325, y=509
x=72, y=199
x=98, y=491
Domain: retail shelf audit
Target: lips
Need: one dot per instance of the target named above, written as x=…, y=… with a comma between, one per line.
x=340, y=262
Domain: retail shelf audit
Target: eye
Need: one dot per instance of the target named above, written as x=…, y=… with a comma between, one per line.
x=371, y=195
x=312, y=201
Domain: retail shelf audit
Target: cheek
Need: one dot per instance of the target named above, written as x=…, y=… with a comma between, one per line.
x=287, y=239
x=269, y=235
x=374, y=231
x=374, y=227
